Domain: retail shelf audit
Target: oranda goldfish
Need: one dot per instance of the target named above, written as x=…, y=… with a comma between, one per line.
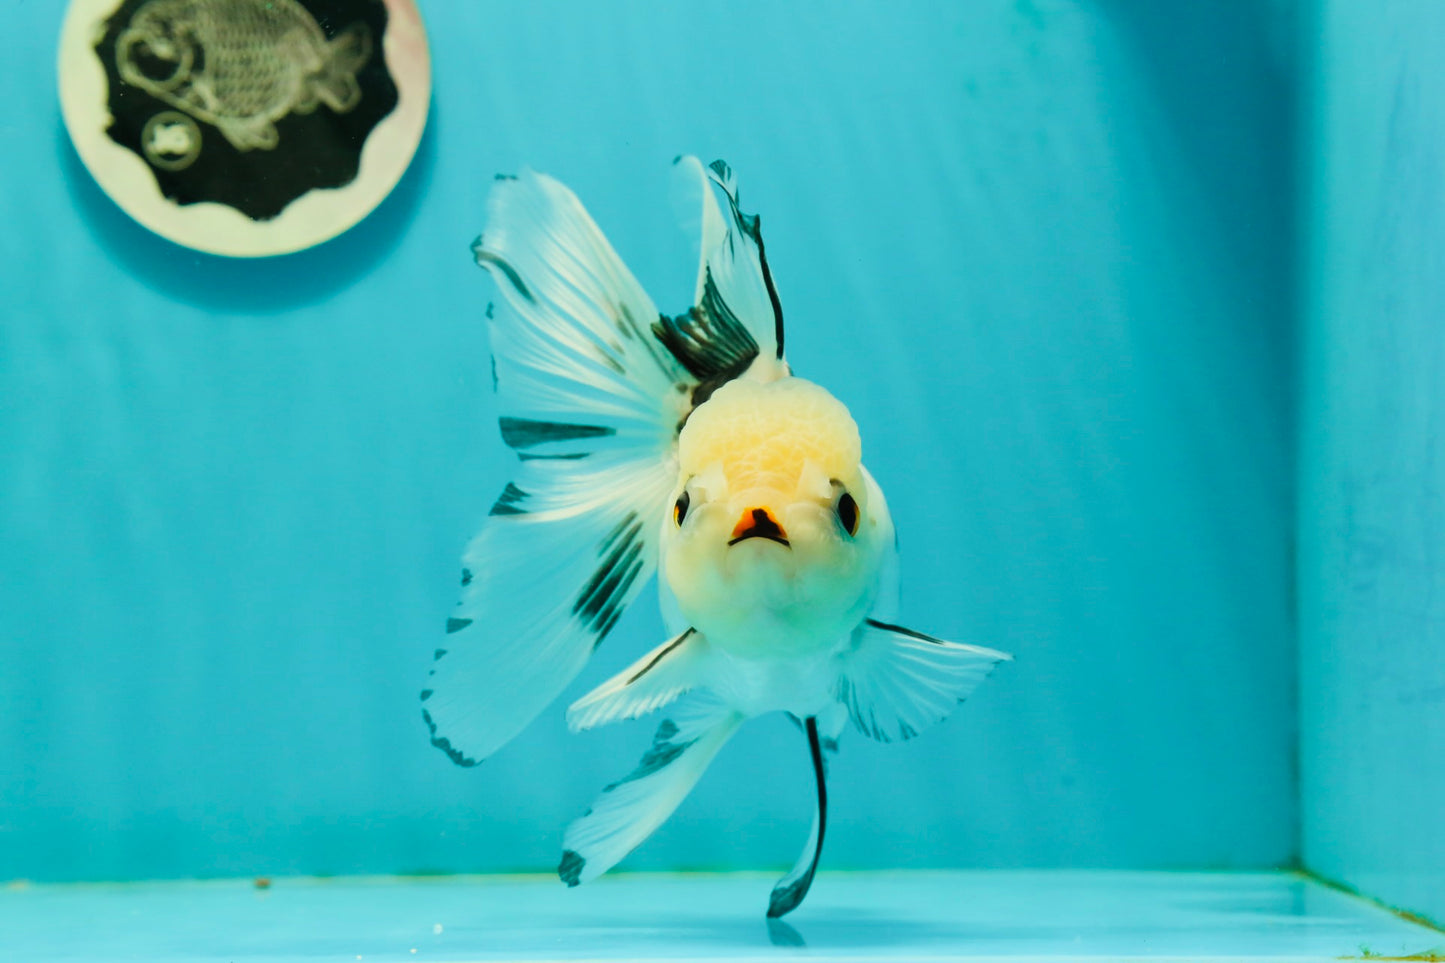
x=681, y=444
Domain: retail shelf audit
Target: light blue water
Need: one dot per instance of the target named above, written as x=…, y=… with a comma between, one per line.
x=1372, y=584
x=895, y=916
x=1041, y=248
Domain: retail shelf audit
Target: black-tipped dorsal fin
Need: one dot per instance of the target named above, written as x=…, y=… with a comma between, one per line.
x=736, y=316
x=747, y=231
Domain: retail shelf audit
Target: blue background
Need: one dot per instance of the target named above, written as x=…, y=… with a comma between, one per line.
x=1372, y=456
x=1045, y=250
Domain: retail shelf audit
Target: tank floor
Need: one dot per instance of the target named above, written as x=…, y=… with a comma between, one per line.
x=896, y=916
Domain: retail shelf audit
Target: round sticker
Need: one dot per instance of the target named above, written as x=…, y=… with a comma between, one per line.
x=245, y=127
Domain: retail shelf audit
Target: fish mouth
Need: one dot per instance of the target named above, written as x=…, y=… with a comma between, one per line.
x=758, y=523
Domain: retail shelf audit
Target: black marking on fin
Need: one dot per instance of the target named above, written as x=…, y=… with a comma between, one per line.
x=437, y=655
x=709, y=340
x=526, y=433
x=426, y=694
x=505, y=177
x=466, y=577
x=658, y=756
x=507, y=503
x=617, y=530
x=486, y=258
x=902, y=631
x=445, y=744
x=661, y=655
x=772, y=291
x=568, y=456
x=787, y=898
x=456, y=625
x=609, y=356
x=599, y=604
x=495, y=382
x=611, y=622
x=570, y=869
x=491, y=310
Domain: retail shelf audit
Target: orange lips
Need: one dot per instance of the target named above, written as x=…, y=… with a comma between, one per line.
x=758, y=523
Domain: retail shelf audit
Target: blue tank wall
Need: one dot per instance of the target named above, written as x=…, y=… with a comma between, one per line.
x=1372, y=550
x=1040, y=248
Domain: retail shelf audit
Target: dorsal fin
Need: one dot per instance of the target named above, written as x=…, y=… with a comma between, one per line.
x=736, y=316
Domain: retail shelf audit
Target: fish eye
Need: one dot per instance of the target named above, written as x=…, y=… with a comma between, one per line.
x=679, y=511
x=847, y=510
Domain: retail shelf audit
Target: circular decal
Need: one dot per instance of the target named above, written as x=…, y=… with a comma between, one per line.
x=245, y=127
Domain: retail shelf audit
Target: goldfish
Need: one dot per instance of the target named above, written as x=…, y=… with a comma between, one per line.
x=683, y=446
x=241, y=65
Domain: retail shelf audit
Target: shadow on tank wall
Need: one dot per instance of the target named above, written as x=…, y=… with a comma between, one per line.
x=248, y=285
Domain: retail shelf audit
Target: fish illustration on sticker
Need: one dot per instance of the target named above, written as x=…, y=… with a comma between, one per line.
x=171, y=141
x=241, y=65
x=243, y=107
x=682, y=445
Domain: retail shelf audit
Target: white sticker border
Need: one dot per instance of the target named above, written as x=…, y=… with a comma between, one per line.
x=315, y=217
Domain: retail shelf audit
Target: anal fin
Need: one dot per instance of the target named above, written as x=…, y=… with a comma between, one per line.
x=628, y=811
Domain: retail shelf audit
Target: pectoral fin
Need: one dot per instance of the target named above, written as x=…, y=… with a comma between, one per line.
x=648, y=684
x=896, y=682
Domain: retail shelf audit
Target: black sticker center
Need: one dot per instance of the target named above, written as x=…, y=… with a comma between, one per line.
x=247, y=103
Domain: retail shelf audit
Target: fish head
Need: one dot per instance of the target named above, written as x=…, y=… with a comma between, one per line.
x=771, y=539
x=159, y=47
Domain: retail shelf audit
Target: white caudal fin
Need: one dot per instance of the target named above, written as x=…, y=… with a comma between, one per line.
x=590, y=401
x=896, y=682
x=736, y=316
x=650, y=683
x=630, y=809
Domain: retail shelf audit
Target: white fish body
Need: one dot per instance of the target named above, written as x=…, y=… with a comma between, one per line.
x=684, y=443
